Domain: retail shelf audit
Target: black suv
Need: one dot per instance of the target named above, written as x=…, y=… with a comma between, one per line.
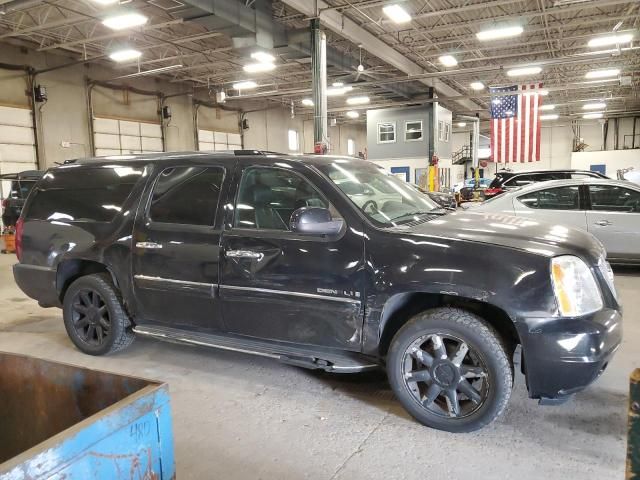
x=321, y=262
x=506, y=180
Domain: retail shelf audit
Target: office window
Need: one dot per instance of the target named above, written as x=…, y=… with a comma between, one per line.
x=351, y=147
x=386, y=132
x=413, y=131
x=294, y=143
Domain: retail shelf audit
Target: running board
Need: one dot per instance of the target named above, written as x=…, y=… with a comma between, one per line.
x=307, y=357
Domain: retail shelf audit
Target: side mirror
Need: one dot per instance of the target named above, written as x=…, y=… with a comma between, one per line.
x=316, y=220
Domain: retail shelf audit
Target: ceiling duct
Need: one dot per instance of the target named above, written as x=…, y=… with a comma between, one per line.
x=253, y=26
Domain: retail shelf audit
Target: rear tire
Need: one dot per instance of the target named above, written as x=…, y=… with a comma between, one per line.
x=450, y=370
x=94, y=316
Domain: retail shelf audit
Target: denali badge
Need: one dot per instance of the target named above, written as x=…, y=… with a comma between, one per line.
x=327, y=290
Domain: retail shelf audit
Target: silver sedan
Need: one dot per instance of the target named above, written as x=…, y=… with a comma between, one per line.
x=609, y=209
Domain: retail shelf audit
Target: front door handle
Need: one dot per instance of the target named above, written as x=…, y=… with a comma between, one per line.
x=151, y=245
x=603, y=223
x=244, y=254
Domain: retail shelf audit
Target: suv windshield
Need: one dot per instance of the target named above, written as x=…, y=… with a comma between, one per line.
x=382, y=197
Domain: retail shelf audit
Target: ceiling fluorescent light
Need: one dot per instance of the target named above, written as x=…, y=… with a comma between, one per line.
x=335, y=91
x=462, y=124
x=258, y=67
x=353, y=114
x=358, y=100
x=517, y=72
x=106, y=2
x=498, y=33
x=611, y=72
x=150, y=72
x=547, y=107
x=245, y=85
x=610, y=40
x=263, y=57
x=307, y=102
x=396, y=13
x=337, y=84
x=125, y=55
x=591, y=116
x=125, y=20
x=550, y=116
x=477, y=86
x=448, y=60
x=594, y=106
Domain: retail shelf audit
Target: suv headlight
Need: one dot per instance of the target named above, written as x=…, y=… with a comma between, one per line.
x=575, y=287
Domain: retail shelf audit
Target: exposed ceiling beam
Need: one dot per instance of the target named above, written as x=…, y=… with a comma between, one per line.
x=349, y=29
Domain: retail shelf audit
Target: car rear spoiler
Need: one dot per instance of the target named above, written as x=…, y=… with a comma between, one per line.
x=26, y=175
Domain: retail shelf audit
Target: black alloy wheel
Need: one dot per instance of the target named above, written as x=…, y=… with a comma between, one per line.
x=90, y=317
x=445, y=376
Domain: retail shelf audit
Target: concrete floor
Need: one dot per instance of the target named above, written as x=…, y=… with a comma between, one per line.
x=237, y=416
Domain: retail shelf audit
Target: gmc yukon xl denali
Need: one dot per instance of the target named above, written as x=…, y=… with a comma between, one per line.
x=321, y=262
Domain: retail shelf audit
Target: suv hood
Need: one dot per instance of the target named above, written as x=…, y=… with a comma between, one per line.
x=536, y=237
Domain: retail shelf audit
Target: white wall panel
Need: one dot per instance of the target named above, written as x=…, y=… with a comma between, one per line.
x=206, y=146
x=107, y=140
x=150, y=130
x=205, y=136
x=104, y=152
x=130, y=143
x=151, y=144
x=220, y=137
x=19, y=117
x=105, y=125
x=129, y=128
x=235, y=147
x=16, y=135
x=220, y=147
x=17, y=153
x=234, y=138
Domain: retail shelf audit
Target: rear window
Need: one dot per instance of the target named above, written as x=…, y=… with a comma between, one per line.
x=499, y=179
x=83, y=194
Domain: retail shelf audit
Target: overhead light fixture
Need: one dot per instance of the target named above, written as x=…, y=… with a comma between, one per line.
x=477, y=85
x=258, y=67
x=335, y=91
x=245, y=85
x=263, y=57
x=396, y=13
x=352, y=114
x=591, y=116
x=337, y=84
x=448, y=60
x=106, y=2
x=125, y=20
x=358, y=100
x=498, y=33
x=547, y=107
x=610, y=40
x=125, y=55
x=519, y=72
x=594, y=106
x=307, y=102
x=611, y=72
x=550, y=116
x=153, y=71
x=462, y=124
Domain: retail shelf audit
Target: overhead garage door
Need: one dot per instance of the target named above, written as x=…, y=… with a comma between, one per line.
x=121, y=137
x=209, y=141
x=17, y=142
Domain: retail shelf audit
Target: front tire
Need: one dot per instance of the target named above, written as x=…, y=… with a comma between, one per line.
x=450, y=370
x=94, y=316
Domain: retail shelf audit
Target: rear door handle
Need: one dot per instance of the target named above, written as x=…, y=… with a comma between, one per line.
x=244, y=254
x=603, y=223
x=151, y=245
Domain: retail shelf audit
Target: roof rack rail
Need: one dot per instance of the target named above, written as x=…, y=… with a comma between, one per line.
x=239, y=153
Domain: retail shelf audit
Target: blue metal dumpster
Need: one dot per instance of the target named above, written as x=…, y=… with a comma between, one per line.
x=64, y=422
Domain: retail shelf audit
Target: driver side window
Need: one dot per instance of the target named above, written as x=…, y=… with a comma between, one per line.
x=268, y=196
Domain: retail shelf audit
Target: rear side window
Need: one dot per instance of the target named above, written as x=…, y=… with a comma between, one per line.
x=560, y=198
x=83, y=194
x=186, y=195
x=614, y=198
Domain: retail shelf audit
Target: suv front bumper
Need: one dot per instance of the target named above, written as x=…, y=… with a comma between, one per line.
x=562, y=356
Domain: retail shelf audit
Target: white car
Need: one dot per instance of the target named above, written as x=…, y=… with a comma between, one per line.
x=609, y=209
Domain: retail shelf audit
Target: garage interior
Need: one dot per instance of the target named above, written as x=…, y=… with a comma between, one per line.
x=411, y=85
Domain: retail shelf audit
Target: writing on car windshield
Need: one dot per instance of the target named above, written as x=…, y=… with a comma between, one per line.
x=383, y=198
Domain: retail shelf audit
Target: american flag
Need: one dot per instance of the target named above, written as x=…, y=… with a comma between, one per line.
x=515, y=124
